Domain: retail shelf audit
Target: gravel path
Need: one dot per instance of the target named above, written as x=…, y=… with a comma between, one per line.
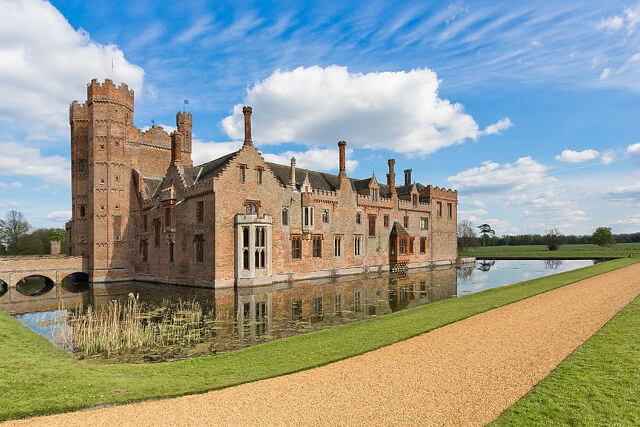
x=466, y=373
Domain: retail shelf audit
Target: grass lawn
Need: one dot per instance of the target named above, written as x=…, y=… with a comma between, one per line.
x=578, y=251
x=36, y=378
x=598, y=384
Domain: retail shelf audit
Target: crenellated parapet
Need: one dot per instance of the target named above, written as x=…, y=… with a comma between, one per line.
x=109, y=92
x=78, y=112
x=440, y=192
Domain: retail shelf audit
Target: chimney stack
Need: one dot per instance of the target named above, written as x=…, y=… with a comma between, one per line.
x=407, y=177
x=176, y=146
x=247, y=125
x=391, y=176
x=343, y=161
x=292, y=180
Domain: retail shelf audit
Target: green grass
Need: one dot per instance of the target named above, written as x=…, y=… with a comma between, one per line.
x=598, y=384
x=577, y=251
x=36, y=378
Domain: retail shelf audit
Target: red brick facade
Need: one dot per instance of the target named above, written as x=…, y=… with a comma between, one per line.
x=141, y=210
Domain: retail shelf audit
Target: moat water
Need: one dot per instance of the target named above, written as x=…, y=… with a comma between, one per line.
x=204, y=322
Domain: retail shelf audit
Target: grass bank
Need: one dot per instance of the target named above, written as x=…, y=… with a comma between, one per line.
x=577, y=251
x=36, y=378
x=598, y=384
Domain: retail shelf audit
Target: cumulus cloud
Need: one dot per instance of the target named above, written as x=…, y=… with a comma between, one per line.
x=572, y=156
x=493, y=177
x=20, y=160
x=400, y=111
x=45, y=63
x=320, y=159
x=59, y=216
x=630, y=18
x=608, y=157
x=612, y=23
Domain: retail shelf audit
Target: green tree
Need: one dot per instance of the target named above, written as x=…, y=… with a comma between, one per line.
x=31, y=244
x=603, y=237
x=13, y=228
x=486, y=229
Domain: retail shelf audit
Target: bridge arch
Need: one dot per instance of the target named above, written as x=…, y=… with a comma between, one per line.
x=4, y=287
x=34, y=285
x=76, y=282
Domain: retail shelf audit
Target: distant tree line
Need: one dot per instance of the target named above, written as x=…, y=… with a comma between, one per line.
x=17, y=238
x=467, y=238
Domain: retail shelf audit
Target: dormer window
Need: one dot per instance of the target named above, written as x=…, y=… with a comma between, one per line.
x=374, y=194
x=252, y=207
x=414, y=197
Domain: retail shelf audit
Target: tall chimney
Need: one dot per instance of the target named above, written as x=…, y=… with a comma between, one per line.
x=343, y=161
x=407, y=177
x=292, y=180
x=176, y=146
x=391, y=176
x=247, y=125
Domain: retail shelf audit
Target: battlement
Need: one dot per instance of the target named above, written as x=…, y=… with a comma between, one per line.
x=108, y=91
x=445, y=193
x=184, y=117
x=78, y=111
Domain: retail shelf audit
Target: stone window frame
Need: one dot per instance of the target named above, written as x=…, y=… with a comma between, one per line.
x=316, y=304
x=337, y=245
x=325, y=216
x=358, y=218
x=285, y=216
x=386, y=221
x=317, y=245
x=411, y=245
x=337, y=303
x=374, y=194
x=296, y=246
x=307, y=216
x=357, y=245
x=449, y=210
x=439, y=209
x=424, y=223
x=82, y=211
x=259, y=174
x=252, y=207
x=82, y=165
x=357, y=301
x=406, y=221
x=423, y=245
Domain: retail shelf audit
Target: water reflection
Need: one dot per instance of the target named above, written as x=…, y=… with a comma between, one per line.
x=236, y=318
x=34, y=285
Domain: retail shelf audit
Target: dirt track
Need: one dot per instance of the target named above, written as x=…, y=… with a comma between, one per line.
x=466, y=373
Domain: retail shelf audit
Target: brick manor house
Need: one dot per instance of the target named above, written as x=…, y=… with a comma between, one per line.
x=143, y=211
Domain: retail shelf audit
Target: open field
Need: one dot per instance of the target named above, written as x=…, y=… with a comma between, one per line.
x=40, y=379
x=598, y=384
x=578, y=251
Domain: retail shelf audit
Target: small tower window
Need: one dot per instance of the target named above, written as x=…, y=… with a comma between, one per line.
x=358, y=218
x=259, y=175
x=82, y=165
x=285, y=216
x=325, y=216
x=243, y=173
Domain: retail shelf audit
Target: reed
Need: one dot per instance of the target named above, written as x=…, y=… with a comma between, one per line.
x=127, y=326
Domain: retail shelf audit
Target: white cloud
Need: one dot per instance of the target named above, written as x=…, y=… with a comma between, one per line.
x=572, y=156
x=612, y=23
x=634, y=150
x=632, y=17
x=493, y=177
x=320, y=159
x=60, y=216
x=633, y=220
x=203, y=152
x=604, y=75
x=20, y=160
x=400, y=111
x=46, y=64
x=498, y=127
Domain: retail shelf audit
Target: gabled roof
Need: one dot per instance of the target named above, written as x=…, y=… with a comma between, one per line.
x=318, y=180
x=210, y=169
x=151, y=185
x=398, y=231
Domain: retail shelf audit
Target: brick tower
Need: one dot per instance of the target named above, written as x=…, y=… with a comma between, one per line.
x=184, y=123
x=101, y=180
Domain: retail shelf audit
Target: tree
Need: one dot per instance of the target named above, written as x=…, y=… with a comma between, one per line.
x=553, y=239
x=484, y=230
x=12, y=230
x=467, y=235
x=603, y=237
x=31, y=244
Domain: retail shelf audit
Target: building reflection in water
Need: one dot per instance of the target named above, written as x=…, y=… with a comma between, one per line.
x=247, y=316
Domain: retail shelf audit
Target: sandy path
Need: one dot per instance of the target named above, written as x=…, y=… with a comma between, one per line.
x=465, y=373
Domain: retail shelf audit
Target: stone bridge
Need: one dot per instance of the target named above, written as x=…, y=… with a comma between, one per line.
x=55, y=267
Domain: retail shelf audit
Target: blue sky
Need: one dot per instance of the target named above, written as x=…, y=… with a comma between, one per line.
x=529, y=109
